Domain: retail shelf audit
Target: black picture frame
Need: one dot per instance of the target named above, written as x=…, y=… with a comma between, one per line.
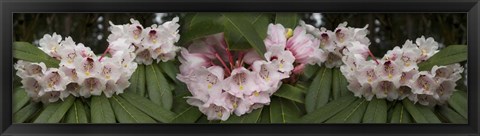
x=8, y=7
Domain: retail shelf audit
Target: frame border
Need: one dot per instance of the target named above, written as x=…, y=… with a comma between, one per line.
x=8, y=7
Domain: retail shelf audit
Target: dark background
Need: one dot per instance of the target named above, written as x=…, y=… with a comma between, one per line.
x=387, y=30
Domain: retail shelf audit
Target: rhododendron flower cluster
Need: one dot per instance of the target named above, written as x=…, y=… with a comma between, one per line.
x=396, y=76
x=80, y=73
x=156, y=42
x=334, y=43
x=219, y=90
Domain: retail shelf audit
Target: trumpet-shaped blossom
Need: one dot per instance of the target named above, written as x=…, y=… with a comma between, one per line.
x=396, y=76
x=224, y=82
x=337, y=43
x=156, y=42
x=80, y=73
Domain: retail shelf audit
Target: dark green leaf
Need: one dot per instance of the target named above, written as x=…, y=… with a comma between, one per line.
x=459, y=103
x=291, y=92
x=26, y=112
x=148, y=107
x=400, y=114
x=351, y=114
x=376, y=111
x=20, y=99
x=235, y=39
x=451, y=115
x=283, y=111
x=265, y=116
x=251, y=117
x=127, y=113
x=247, y=30
x=319, y=91
x=28, y=52
x=449, y=55
x=77, y=113
x=158, y=88
x=54, y=112
x=288, y=20
x=412, y=109
x=343, y=85
x=203, y=120
x=310, y=71
x=189, y=115
x=101, y=110
x=88, y=113
x=137, y=81
x=200, y=25
x=170, y=69
x=428, y=114
x=336, y=83
x=327, y=111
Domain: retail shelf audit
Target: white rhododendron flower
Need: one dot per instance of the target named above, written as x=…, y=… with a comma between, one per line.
x=334, y=44
x=156, y=42
x=223, y=82
x=396, y=76
x=80, y=73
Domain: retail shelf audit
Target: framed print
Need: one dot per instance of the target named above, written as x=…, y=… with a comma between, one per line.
x=239, y=67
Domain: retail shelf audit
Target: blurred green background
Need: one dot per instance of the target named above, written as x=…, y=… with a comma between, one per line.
x=387, y=30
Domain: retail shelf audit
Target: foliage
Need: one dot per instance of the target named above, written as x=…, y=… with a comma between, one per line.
x=156, y=96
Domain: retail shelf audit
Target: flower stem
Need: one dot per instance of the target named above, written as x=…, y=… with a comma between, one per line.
x=104, y=53
x=240, y=59
x=373, y=57
x=230, y=57
x=223, y=62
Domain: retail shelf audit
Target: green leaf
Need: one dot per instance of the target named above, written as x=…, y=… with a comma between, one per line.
x=288, y=20
x=247, y=30
x=26, y=112
x=343, y=85
x=87, y=112
x=310, y=71
x=137, y=81
x=235, y=39
x=449, y=55
x=428, y=114
x=400, y=114
x=319, y=92
x=77, y=113
x=291, y=93
x=412, y=109
x=151, y=109
x=265, y=115
x=459, y=103
x=351, y=114
x=251, y=117
x=127, y=113
x=54, y=112
x=283, y=111
x=101, y=110
x=321, y=114
x=451, y=115
x=203, y=120
x=158, y=88
x=189, y=115
x=28, y=52
x=336, y=92
x=20, y=99
x=376, y=111
x=200, y=25
x=170, y=69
